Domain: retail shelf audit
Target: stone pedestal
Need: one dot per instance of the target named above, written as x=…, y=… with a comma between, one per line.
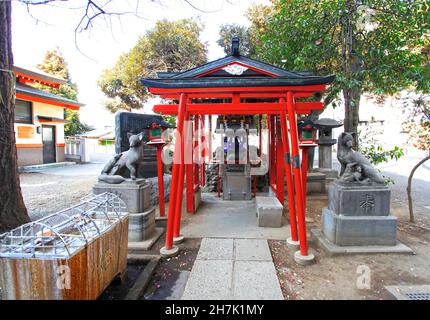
x=315, y=183
x=142, y=225
x=136, y=194
x=358, y=215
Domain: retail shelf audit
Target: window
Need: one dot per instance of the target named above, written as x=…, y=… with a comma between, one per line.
x=23, y=112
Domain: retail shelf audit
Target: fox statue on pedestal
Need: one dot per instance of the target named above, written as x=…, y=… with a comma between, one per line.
x=354, y=162
x=113, y=172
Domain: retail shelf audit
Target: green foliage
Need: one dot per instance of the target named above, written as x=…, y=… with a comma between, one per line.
x=418, y=122
x=55, y=64
x=170, y=119
x=388, y=41
x=171, y=46
x=228, y=31
x=249, y=36
x=375, y=152
x=375, y=46
x=74, y=126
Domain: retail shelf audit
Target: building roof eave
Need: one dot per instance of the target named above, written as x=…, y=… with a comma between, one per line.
x=24, y=91
x=171, y=83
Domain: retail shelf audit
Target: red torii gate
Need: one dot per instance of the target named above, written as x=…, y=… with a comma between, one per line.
x=236, y=85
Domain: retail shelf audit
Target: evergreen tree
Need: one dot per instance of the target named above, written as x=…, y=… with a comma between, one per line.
x=55, y=64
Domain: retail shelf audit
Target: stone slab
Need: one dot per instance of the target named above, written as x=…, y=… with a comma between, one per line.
x=216, y=249
x=251, y=250
x=269, y=212
x=209, y=280
x=335, y=250
x=145, y=245
x=136, y=194
x=359, y=230
x=256, y=280
x=359, y=200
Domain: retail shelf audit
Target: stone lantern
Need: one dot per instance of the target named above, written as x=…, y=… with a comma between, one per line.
x=325, y=142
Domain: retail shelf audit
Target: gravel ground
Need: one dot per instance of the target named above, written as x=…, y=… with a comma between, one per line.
x=48, y=193
x=336, y=277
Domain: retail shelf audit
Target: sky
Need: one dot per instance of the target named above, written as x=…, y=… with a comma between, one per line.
x=44, y=27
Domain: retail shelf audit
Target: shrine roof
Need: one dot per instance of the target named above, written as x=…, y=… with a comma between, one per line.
x=235, y=70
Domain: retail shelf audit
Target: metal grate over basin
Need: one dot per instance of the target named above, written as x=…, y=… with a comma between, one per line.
x=60, y=235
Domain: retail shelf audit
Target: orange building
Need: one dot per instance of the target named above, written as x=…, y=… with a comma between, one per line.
x=39, y=118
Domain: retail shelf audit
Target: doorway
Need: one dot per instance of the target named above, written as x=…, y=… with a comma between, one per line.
x=48, y=141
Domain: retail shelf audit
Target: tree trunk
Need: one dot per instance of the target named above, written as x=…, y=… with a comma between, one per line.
x=352, y=107
x=409, y=188
x=12, y=208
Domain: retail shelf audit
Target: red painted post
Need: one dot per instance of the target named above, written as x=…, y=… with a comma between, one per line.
x=280, y=168
x=160, y=175
x=289, y=178
x=272, y=149
x=304, y=174
x=189, y=188
x=180, y=193
x=259, y=135
x=196, y=150
x=175, y=173
x=203, y=152
x=210, y=138
x=292, y=118
x=189, y=167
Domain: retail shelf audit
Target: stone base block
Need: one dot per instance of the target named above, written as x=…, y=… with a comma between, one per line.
x=316, y=182
x=136, y=194
x=141, y=225
x=236, y=186
x=167, y=253
x=335, y=250
x=179, y=239
x=269, y=212
x=351, y=199
x=304, y=260
x=359, y=230
x=295, y=245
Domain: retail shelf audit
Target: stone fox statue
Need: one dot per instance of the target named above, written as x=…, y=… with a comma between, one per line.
x=348, y=157
x=113, y=170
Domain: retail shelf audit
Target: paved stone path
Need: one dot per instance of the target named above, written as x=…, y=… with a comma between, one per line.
x=233, y=269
